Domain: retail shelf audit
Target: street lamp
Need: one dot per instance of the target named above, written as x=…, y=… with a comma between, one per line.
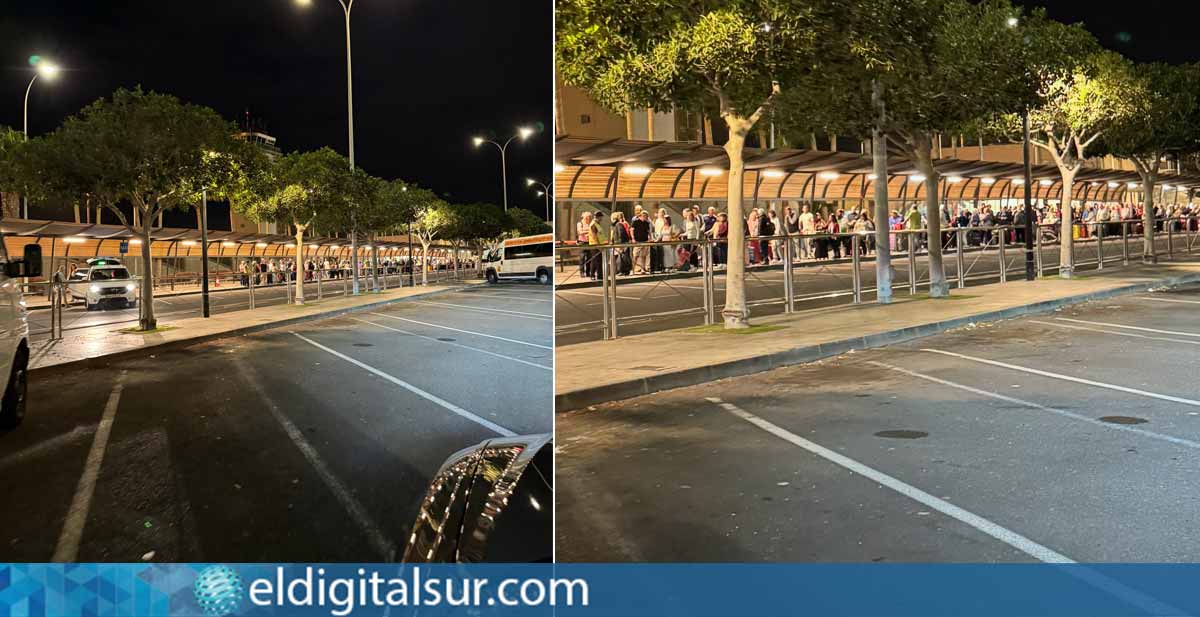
x=523, y=133
x=544, y=192
x=347, y=6
x=49, y=71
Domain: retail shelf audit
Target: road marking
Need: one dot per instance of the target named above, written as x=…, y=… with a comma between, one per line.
x=451, y=407
x=49, y=445
x=1088, y=382
x=483, y=351
x=1140, y=329
x=594, y=293
x=1110, y=332
x=538, y=316
x=1169, y=300
x=431, y=325
x=1007, y=536
x=499, y=295
x=380, y=542
x=1067, y=414
x=67, y=548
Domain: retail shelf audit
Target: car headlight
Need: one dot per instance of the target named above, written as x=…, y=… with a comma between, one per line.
x=94, y=289
x=130, y=287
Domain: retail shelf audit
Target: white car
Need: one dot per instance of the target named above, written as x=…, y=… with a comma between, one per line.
x=102, y=285
x=14, y=332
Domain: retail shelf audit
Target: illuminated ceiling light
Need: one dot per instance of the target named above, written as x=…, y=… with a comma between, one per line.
x=188, y=243
x=988, y=180
x=1018, y=181
x=1132, y=185
x=773, y=173
x=710, y=171
x=135, y=241
x=916, y=178
x=954, y=179
x=291, y=246
x=261, y=245
x=1093, y=184
x=828, y=175
x=1166, y=187
x=1045, y=182
x=872, y=177
x=635, y=170
x=558, y=168
x=74, y=240
x=1113, y=185
x=228, y=244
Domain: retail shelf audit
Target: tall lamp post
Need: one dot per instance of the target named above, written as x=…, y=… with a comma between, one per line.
x=544, y=192
x=523, y=133
x=347, y=6
x=49, y=71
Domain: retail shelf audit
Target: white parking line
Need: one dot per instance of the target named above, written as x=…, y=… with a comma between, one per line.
x=500, y=296
x=1138, y=328
x=432, y=325
x=1088, y=382
x=46, y=446
x=482, y=351
x=1113, y=333
x=595, y=294
x=1066, y=414
x=1169, y=300
x=1007, y=536
x=484, y=309
x=451, y=407
x=67, y=548
x=377, y=539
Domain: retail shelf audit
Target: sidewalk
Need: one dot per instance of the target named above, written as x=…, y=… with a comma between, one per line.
x=102, y=343
x=601, y=371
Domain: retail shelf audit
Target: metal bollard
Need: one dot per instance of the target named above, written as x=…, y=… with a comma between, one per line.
x=1003, y=240
x=1037, y=236
x=789, y=305
x=320, y=291
x=960, y=236
x=612, y=288
x=1170, y=234
x=856, y=267
x=345, y=280
x=1100, y=244
x=251, y=281
x=912, y=263
x=1125, y=243
x=709, y=299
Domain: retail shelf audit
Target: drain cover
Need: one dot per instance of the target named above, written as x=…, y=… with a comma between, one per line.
x=902, y=434
x=1123, y=420
x=446, y=340
x=363, y=345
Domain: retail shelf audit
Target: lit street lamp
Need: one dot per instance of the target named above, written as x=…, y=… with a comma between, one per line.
x=347, y=6
x=523, y=133
x=544, y=192
x=49, y=71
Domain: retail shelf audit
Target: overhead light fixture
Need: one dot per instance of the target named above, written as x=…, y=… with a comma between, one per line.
x=261, y=245
x=1113, y=185
x=188, y=243
x=1093, y=184
x=1166, y=187
x=1018, y=181
x=635, y=170
x=988, y=180
x=916, y=178
x=135, y=241
x=228, y=244
x=954, y=179
x=872, y=177
x=828, y=175
x=710, y=171
x=1132, y=185
x=558, y=168
x=1045, y=182
x=74, y=240
x=773, y=173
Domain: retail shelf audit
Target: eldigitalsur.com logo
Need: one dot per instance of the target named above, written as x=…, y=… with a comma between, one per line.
x=219, y=591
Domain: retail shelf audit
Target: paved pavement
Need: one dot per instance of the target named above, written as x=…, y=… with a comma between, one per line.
x=1071, y=435
x=307, y=443
x=645, y=305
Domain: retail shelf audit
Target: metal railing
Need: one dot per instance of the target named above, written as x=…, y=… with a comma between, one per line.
x=788, y=273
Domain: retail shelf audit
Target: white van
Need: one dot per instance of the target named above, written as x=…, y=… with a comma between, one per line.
x=14, y=331
x=531, y=257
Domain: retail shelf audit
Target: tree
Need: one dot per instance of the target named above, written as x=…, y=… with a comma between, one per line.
x=522, y=223
x=146, y=149
x=302, y=188
x=911, y=71
x=11, y=143
x=738, y=54
x=1164, y=123
x=384, y=206
x=478, y=226
x=432, y=217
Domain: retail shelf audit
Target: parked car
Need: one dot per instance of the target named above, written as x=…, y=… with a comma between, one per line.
x=14, y=332
x=103, y=283
x=493, y=502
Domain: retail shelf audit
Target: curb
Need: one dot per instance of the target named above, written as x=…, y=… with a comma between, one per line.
x=578, y=399
x=104, y=360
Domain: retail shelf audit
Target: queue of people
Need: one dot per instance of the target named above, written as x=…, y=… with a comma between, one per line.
x=663, y=244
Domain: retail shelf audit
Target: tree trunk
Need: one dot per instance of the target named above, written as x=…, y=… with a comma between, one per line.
x=299, y=265
x=1066, y=245
x=938, y=287
x=424, y=262
x=736, y=314
x=146, y=320
x=1149, y=255
x=883, y=249
x=76, y=213
x=375, y=262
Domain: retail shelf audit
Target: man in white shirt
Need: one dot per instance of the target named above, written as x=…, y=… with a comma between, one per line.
x=808, y=226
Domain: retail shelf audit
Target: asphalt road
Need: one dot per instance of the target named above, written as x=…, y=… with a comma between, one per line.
x=1072, y=435
x=648, y=306
x=310, y=443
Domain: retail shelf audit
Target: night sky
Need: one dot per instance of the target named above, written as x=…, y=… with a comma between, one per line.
x=428, y=75
x=1143, y=31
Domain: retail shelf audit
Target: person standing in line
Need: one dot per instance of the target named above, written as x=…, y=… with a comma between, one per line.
x=582, y=233
x=641, y=236
x=808, y=227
